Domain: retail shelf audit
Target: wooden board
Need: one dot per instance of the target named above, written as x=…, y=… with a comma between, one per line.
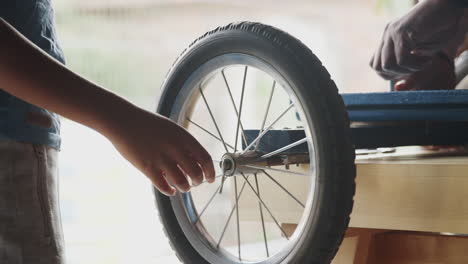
x=408, y=190
x=412, y=190
x=372, y=246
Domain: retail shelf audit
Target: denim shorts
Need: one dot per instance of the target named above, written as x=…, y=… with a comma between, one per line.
x=30, y=226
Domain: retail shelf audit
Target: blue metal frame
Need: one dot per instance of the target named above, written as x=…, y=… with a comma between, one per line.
x=393, y=119
x=408, y=118
x=441, y=105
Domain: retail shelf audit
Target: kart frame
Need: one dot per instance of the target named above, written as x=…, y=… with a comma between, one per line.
x=393, y=119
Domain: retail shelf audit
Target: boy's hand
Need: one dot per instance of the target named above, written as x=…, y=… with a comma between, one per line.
x=158, y=147
x=163, y=151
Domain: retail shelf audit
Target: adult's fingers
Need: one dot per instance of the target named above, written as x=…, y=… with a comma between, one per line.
x=191, y=168
x=401, y=85
x=388, y=67
x=390, y=60
x=158, y=180
x=375, y=62
x=176, y=176
x=378, y=66
x=421, y=52
x=394, y=58
x=408, y=58
x=377, y=59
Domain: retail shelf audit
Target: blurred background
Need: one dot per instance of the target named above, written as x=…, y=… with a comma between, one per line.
x=128, y=46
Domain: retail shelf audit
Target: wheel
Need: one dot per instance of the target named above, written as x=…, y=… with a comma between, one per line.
x=272, y=119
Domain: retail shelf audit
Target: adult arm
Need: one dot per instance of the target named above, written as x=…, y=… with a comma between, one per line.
x=152, y=143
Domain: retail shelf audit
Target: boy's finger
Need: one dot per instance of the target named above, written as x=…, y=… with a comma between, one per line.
x=206, y=163
x=203, y=158
x=158, y=180
x=191, y=168
x=176, y=177
x=208, y=170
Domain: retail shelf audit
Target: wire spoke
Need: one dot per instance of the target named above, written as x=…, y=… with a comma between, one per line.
x=212, y=118
x=222, y=184
x=205, y=181
x=238, y=223
x=266, y=207
x=222, y=179
x=234, y=105
x=284, y=189
x=273, y=169
x=261, y=217
x=292, y=145
x=230, y=214
x=267, y=129
x=266, y=112
x=207, y=204
x=208, y=132
x=240, y=108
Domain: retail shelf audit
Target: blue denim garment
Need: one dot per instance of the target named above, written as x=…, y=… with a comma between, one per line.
x=35, y=20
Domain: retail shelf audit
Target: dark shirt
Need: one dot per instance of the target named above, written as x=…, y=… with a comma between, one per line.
x=19, y=120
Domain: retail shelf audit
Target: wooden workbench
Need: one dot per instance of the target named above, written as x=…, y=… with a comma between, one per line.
x=408, y=207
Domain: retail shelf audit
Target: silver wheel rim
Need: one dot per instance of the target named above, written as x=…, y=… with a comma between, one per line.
x=190, y=212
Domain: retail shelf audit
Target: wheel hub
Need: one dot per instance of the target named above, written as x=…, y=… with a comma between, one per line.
x=228, y=164
x=233, y=164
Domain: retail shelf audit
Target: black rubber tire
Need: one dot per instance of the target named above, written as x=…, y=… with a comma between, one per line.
x=320, y=100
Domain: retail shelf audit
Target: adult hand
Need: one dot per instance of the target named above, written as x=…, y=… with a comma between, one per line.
x=438, y=74
x=162, y=150
x=410, y=42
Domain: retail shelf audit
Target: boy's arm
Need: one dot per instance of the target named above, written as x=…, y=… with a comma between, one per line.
x=152, y=143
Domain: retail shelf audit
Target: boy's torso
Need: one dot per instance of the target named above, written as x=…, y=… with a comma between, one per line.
x=20, y=120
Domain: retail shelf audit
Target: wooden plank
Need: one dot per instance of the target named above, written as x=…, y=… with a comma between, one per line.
x=347, y=251
x=408, y=190
x=289, y=228
x=410, y=193
x=357, y=246
x=419, y=248
x=371, y=246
